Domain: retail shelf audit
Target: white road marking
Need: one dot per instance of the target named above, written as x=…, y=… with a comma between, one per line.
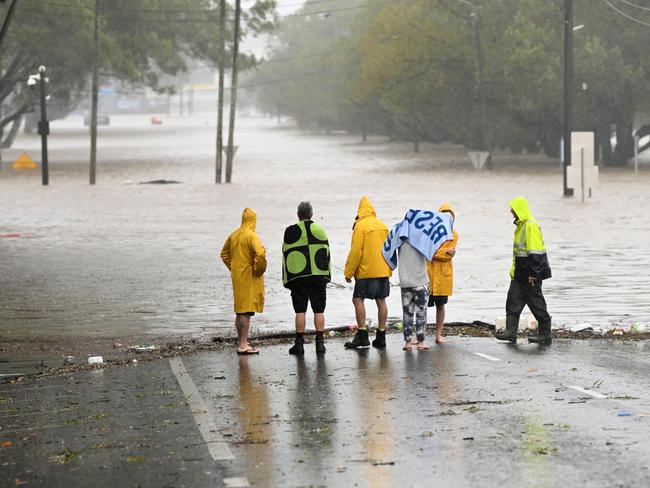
x=594, y=394
x=487, y=356
x=216, y=445
x=236, y=482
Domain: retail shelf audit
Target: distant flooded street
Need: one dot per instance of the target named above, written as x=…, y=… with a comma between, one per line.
x=122, y=258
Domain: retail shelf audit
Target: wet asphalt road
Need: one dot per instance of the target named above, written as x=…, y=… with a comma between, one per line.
x=470, y=413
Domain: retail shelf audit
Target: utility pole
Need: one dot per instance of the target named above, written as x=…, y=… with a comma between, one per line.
x=222, y=68
x=44, y=127
x=233, y=94
x=5, y=23
x=94, y=103
x=182, y=102
x=568, y=91
x=484, y=138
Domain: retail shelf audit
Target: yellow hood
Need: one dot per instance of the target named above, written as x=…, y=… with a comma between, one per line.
x=365, y=209
x=521, y=208
x=249, y=219
x=445, y=207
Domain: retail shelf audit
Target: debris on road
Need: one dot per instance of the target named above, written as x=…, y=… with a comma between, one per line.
x=144, y=348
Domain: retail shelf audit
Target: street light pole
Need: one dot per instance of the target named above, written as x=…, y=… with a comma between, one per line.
x=568, y=91
x=44, y=127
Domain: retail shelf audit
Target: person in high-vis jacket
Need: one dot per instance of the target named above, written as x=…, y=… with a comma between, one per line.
x=245, y=257
x=367, y=266
x=306, y=272
x=530, y=267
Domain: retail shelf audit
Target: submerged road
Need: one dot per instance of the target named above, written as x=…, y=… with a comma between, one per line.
x=120, y=259
x=472, y=412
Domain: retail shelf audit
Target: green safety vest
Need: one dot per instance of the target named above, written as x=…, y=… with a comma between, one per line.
x=305, y=252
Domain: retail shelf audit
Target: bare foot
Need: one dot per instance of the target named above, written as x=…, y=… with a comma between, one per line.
x=440, y=340
x=422, y=346
x=414, y=341
x=407, y=347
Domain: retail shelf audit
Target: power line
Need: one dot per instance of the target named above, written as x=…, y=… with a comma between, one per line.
x=192, y=21
x=627, y=16
x=640, y=7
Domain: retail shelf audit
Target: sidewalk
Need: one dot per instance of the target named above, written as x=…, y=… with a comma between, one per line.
x=575, y=414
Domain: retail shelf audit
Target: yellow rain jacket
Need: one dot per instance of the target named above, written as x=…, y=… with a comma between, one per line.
x=529, y=254
x=440, y=269
x=245, y=257
x=368, y=235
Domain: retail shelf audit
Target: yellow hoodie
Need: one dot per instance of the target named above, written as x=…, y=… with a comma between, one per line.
x=245, y=257
x=369, y=233
x=440, y=269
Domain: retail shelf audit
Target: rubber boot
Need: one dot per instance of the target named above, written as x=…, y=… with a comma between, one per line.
x=380, y=339
x=510, y=333
x=360, y=340
x=298, y=348
x=543, y=335
x=320, y=344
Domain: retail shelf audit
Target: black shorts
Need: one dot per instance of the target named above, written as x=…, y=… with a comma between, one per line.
x=371, y=288
x=247, y=314
x=437, y=300
x=311, y=289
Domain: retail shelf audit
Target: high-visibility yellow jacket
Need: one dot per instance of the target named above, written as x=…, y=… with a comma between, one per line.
x=529, y=257
x=440, y=269
x=365, y=259
x=245, y=257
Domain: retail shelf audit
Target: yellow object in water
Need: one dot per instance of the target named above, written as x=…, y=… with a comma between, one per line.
x=24, y=162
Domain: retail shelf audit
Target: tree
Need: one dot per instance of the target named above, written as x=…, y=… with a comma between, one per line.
x=432, y=70
x=137, y=44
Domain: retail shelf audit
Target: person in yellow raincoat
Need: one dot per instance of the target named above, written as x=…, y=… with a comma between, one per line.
x=370, y=271
x=530, y=267
x=245, y=257
x=441, y=276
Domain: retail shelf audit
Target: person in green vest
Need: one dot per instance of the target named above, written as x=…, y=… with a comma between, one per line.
x=306, y=272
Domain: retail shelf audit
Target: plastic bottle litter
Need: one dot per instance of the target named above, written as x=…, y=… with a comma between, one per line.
x=331, y=333
x=398, y=326
x=95, y=360
x=638, y=328
x=500, y=323
x=527, y=322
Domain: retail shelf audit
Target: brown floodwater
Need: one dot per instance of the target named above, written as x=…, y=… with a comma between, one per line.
x=121, y=258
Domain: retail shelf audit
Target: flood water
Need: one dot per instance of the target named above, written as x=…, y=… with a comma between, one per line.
x=121, y=258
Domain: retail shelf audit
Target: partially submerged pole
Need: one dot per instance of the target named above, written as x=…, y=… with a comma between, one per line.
x=222, y=68
x=233, y=94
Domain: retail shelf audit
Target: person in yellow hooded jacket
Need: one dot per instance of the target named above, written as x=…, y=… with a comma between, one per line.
x=530, y=267
x=370, y=271
x=245, y=257
x=441, y=276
